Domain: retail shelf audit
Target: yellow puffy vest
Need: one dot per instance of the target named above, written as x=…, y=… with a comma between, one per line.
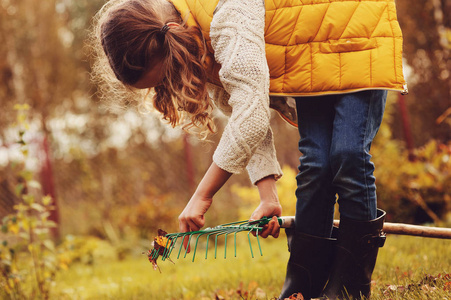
x=316, y=47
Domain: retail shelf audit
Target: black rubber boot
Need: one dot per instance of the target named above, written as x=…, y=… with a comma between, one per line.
x=309, y=264
x=355, y=258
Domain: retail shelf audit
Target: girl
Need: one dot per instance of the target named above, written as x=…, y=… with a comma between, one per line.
x=345, y=53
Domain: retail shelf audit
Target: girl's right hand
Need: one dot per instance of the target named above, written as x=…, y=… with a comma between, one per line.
x=192, y=217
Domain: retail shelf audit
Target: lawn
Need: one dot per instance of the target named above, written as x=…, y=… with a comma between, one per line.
x=407, y=268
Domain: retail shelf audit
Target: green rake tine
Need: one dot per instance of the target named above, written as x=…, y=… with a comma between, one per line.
x=214, y=231
x=176, y=237
x=235, y=237
x=181, y=246
x=154, y=254
x=166, y=249
x=225, y=245
x=257, y=229
x=250, y=245
x=223, y=231
x=258, y=241
x=208, y=239
x=235, y=242
x=229, y=231
x=172, y=246
x=195, y=247
x=189, y=242
x=173, y=239
x=249, y=238
x=184, y=235
x=236, y=231
x=216, y=242
x=225, y=242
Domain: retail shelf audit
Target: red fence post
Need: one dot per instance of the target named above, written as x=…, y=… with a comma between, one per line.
x=48, y=186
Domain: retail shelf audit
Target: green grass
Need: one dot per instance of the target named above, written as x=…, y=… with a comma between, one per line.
x=410, y=265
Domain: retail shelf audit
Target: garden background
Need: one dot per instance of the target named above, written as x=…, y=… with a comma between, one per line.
x=84, y=189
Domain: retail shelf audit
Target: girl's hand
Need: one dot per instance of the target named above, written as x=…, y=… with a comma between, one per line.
x=269, y=206
x=267, y=210
x=192, y=217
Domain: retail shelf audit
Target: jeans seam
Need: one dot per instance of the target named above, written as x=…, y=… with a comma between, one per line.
x=368, y=123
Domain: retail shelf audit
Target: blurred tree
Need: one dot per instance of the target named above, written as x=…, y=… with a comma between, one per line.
x=426, y=26
x=42, y=64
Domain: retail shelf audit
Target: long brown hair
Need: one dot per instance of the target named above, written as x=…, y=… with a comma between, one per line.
x=130, y=37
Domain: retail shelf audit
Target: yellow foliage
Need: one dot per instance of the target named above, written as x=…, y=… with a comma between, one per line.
x=64, y=260
x=63, y=266
x=250, y=198
x=12, y=282
x=46, y=200
x=21, y=107
x=286, y=188
x=401, y=183
x=13, y=228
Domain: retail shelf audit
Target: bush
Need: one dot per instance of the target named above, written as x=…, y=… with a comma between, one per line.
x=416, y=191
x=28, y=257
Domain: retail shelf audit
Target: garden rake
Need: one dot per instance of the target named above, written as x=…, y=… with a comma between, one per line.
x=164, y=245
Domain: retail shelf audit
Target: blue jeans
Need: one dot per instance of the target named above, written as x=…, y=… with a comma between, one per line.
x=336, y=134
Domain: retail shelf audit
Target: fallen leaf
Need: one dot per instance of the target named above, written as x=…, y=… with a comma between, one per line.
x=427, y=288
x=161, y=246
x=260, y=293
x=295, y=296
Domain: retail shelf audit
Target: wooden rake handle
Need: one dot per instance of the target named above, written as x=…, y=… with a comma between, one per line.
x=391, y=228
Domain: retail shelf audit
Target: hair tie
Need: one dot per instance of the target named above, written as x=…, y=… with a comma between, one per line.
x=164, y=29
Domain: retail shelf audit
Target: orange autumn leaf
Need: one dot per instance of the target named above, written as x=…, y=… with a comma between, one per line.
x=295, y=296
x=160, y=244
x=161, y=241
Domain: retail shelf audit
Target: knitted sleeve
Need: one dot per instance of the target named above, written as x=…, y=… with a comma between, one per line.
x=237, y=37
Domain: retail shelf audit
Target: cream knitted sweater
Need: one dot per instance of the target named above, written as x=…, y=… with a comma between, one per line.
x=237, y=38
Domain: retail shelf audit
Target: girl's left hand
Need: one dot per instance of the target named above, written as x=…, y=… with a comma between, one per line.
x=266, y=209
x=269, y=206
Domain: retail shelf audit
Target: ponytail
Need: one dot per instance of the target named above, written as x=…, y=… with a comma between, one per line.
x=134, y=36
x=184, y=86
